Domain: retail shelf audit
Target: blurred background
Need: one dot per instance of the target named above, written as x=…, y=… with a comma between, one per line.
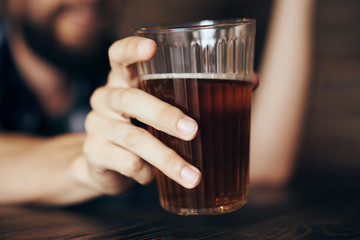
x=331, y=137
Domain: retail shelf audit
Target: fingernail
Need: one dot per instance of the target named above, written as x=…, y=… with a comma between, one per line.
x=143, y=47
x=190, y=175
x=187, y=126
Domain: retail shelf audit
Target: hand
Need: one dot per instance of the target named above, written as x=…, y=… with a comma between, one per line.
x=117, y=150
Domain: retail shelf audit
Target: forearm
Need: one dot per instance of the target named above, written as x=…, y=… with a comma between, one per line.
x=280, y=100
x=44, y=170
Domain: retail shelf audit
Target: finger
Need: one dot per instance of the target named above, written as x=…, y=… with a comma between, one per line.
x=130, y=50
x=143, y=144
x=123, y=55
x=101, y=102
x=146, y=146
x=255, y=81
x=145, y=108
x=115, y=158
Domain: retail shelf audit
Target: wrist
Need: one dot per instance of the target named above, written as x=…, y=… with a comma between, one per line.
x=81, y=173
x=98, y=182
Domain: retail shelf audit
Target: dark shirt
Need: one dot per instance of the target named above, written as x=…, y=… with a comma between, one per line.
x=19, y=107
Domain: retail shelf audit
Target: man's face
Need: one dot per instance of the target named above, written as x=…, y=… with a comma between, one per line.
x=67, y=29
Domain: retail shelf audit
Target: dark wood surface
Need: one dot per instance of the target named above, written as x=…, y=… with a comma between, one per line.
x=313, y=207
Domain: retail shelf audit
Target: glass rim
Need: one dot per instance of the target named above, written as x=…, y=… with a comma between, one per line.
x=191, y=26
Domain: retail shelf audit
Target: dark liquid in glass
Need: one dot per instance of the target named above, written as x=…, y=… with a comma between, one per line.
x=220, y=150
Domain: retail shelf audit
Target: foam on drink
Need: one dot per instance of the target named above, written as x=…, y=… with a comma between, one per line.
x=223, y=76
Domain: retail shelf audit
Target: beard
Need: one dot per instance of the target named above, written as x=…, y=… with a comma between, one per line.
x=88, y=60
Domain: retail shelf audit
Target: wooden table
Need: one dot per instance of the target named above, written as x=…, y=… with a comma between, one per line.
x=314, y=207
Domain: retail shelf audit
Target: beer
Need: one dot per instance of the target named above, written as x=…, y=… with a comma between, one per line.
x=221, y=106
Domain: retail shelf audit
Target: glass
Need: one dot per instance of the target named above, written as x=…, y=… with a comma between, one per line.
x=205, y=69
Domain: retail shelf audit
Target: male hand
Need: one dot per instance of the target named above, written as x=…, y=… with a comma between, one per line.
x=117, y=150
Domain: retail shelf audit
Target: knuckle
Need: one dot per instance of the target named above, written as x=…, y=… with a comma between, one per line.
x=147, y=181
x=120, y=50
x=167, y=112
x=132, y=167
x=113, y=50
x=115, y=184
x=88, y=148
x=92, y=149
x=148, y=178
x=170, y=160
x=122, y=98
x=129, y=43
x=89, y=121
x=113, y=191
x=96, y=96
x=134, y=137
